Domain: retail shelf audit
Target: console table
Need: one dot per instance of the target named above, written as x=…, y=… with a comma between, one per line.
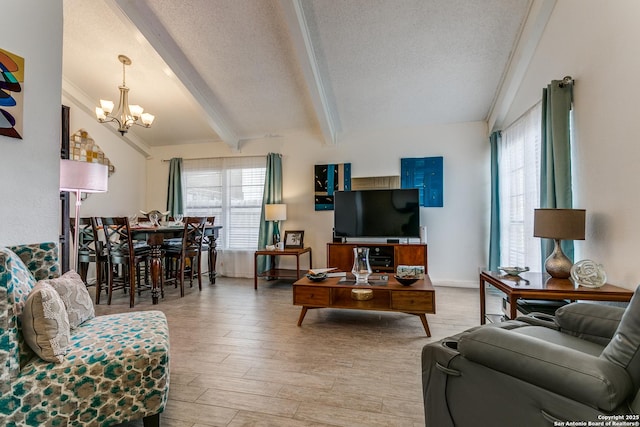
x=383, y=257
x=542, y=286
x=279, y=272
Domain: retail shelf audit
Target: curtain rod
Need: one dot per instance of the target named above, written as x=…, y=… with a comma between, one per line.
x=210, y=158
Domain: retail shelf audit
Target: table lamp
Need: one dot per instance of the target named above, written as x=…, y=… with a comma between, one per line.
x=275, y=212
x=79, y=177
x=559, y=224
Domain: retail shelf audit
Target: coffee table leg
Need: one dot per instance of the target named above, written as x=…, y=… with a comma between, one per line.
x=303, y=313
x=423, y=317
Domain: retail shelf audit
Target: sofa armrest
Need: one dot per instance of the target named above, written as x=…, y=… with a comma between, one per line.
x=593, y=322
x=564, y=371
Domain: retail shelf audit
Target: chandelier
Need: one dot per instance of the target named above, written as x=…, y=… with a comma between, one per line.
x=126, y=115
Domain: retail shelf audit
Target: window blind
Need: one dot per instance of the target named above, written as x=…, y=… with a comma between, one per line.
x=231, y=190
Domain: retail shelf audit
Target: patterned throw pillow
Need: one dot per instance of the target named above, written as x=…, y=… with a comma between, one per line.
x=45, y=324
x=75, y=297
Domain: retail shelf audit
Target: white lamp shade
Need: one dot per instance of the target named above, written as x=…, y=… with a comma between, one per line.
x=275, y=212
x=83, y=176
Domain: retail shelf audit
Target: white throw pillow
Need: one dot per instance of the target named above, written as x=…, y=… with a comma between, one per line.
x=75, y=297
x=45, y=324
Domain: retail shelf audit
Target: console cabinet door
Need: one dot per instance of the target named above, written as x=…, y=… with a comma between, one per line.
x=411, y=255
x=340, y=256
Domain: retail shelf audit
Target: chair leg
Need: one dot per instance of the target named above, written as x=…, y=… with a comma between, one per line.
x=181, y=277
x=98, y=281
x=132, y=285
x=110, y=279
x=151, y=421
x=199, y=258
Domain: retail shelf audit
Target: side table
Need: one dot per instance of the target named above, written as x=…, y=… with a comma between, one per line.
x=532, y=285
x=280, y=272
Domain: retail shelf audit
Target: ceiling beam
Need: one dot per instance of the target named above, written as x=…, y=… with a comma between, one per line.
x=299, y=32
x=524, y=49
x=146, y=21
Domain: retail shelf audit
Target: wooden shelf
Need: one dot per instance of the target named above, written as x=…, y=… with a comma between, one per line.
x=340, y=255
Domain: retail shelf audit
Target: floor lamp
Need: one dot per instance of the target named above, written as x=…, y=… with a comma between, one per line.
x=79, y=177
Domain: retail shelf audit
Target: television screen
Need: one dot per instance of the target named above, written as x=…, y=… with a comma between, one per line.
x=377, y=213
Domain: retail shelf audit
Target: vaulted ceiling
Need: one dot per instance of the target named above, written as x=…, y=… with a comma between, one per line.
x=234, y=70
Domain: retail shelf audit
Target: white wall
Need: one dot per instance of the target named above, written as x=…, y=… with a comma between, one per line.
x=127, y=186
x=596, y=43
x=29, y=168
x=457, y=233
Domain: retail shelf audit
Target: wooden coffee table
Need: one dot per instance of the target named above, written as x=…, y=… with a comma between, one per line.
x=417, y=299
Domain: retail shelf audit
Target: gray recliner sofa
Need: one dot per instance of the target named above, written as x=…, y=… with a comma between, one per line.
x=581, y=365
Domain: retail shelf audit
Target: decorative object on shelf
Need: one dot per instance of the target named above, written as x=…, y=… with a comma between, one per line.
x=275, y=212
x=361, y=268
x=79, y=177
x=559, y=224
x=294, y=239
x=588, y=273
x=327, y=180
x=416, y=271
x=126, y=115
x=361, y=294
x=514, y=271
x=84, y=149
x=406, y=280
x=11, y=87
x=318, y=277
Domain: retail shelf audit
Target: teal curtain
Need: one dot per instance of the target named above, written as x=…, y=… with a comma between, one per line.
x=272, y=194
x=555, y=164
x=494, y=232
x=174, y=192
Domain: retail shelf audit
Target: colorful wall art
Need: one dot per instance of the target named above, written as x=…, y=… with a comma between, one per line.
x=425, y=174
x=11, y=94
x=328, y=179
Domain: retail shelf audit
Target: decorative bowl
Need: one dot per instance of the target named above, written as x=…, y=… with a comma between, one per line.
x=316, y=277
x=514, y=271
x=406, y=280
x=361, y=294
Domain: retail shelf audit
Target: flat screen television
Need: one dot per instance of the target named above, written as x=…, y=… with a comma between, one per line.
x=377, y=213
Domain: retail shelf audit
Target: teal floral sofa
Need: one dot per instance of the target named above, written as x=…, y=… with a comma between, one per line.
x=116, y=368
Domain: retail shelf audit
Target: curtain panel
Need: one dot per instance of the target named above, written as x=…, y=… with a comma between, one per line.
x=494, y=232
x=272, y=194
x=555, y=156
x=174, y=192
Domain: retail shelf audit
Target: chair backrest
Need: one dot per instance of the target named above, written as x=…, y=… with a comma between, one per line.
x=208, y=230
x=117, y=239
x=86, y=239
x=193, y=233
x=624, y=347
x=20, y=267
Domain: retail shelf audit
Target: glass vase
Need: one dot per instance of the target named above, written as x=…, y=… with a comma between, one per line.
x=361, y=267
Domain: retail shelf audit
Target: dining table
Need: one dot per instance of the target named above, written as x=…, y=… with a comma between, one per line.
x=155, y=235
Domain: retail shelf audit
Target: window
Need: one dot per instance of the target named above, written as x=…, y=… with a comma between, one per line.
x=230, y=189
x=519, y=172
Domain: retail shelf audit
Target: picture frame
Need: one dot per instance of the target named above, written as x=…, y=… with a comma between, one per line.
x=294, y=239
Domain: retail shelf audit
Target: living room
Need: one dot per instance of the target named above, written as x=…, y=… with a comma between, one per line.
x=592, y=41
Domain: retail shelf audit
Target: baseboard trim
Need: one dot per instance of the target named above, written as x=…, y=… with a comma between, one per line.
x=456, y=283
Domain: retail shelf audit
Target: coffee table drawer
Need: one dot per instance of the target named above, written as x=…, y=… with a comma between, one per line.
x=412, y=301
x=309, y=295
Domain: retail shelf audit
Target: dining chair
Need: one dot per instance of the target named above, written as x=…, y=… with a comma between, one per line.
x=90, y=250
x=189, y=250
x=127, y=259
x=209, y=247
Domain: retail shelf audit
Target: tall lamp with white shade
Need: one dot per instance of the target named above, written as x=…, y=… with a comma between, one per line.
x=275, y=212
x=82, y=177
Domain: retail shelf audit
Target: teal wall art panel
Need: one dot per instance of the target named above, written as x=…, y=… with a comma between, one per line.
x=425, y=174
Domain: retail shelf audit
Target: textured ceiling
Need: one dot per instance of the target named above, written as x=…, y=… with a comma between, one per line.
x=241, y=69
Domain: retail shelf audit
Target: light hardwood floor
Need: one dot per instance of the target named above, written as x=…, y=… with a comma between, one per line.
x=238, y=358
